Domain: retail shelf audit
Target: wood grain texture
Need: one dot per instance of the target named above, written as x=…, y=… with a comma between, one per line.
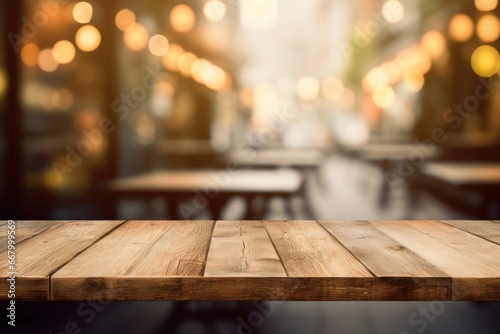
x=139, y=250
x=384, y=256
x=254, y=260
x=146, y=248
x=251, y=288
x=463, y=256
x=482, y=228
x=25, y=230
x=307, y=250
x=42, y=254
x=242, y=248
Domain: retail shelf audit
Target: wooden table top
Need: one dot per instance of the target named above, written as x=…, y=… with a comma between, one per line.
x=279, y=158
x=255, y=260
x=464, y=174
x=239, y=181
x=390, y=151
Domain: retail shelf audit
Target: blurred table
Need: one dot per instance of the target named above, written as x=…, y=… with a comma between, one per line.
x=256, y=260
x=276, y=158
x=391, y=151
x=206, y=189
x=482, y=178
x=391, y=158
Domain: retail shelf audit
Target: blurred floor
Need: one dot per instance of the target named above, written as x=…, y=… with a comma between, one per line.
x=287, y=317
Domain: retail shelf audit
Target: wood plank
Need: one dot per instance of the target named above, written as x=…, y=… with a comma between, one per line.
x=248, y=288
x=307, y=250
x=25, y=230
x=382, y=255
x=482, y=228
x=42, y=254
x=242, y=248
x=137, y=251
x=470, y=260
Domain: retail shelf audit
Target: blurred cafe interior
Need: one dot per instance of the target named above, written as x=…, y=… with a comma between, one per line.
x=258, y=109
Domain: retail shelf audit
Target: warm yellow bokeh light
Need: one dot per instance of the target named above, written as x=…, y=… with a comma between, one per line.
x=171, y=59
x=82, y=12
x=376, y=78
x=333, y=88
x=461, y=27
x=182, y=18
x=486, y=5
x=64, y=52
x=392, y=69
x=488, y=28
x=393, y=11
x=125, y=19
x=185, y=63
x=384, y=97
x=485, y=61
x=136, y=37
x=214, y=10
x=29, y=54
x=414, y=81
x=46, y=61
x=158, y=45
x=3, y=82
x=217, y=78
x=88, y=38
x=201, y=70
x=419, y=60
x=308, y=88
x=433, y=43
x=62, y=99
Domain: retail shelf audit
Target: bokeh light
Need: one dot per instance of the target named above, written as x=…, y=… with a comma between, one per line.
x=308, y=88
x=64, y=52
x=393, y=11
x=461, y=27
x=488, y=28
x=82, y=12
x=46, y=61
x=214, y=10
x=485, y=61
x=88, y=38
x=29, y=54
x=486, y=5
x=376, y=78
x=433, y=43
x=182, y=18
x=414, y=81
x=136, y=37
x=125, y=19
x=62, y=99
x=158, y=45
x=3, y=82
x=333, y=88
x=384, y=97
x=186, y=62
x=171, y=59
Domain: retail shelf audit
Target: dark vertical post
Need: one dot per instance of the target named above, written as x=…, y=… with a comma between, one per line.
x=13, y=130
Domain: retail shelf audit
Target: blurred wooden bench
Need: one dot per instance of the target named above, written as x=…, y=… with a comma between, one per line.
x=255, y=260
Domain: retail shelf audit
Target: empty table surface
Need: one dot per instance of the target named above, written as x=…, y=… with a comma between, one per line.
x=464, y=174
x=238, y=181
x=392, y=151
x=278, y=158
x=255, y=260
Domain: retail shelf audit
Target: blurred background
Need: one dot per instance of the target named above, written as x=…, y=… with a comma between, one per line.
x=262, y=109
x=382, y=109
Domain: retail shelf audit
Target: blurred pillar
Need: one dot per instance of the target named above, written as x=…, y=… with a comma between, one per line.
x=108, y=60
x=11, y=208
